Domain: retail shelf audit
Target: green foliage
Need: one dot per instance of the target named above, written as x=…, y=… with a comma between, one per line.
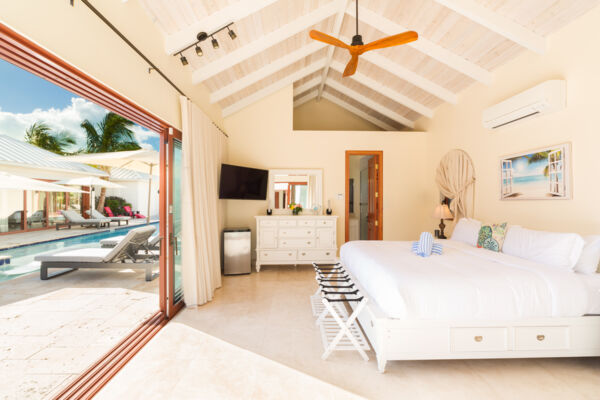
x=540, y=156
x=116, y=204
x=39, y=134
x=113, y=133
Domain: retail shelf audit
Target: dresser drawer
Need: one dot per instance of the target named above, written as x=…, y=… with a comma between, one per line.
x=296, y=243
x=542, y=338
x=306, y=222
x=478, y=339
x=277, y=255
x=325, y=222
x=287, y=222
x=296, y=232
x=316, y=255
x=268, y=223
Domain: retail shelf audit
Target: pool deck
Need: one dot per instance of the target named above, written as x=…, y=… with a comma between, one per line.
x=52, y=331
x=24, y=238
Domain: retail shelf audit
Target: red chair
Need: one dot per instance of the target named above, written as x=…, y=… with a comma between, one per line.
x=128, y=211
x=109, y=213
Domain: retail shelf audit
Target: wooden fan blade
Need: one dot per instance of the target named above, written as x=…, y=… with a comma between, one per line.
x=321, y=37
x=351, y=66
x=396, y=40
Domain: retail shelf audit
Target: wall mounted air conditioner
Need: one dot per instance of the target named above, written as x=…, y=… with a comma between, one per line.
x=545, y=98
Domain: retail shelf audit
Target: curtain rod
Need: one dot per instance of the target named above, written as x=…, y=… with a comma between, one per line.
x=138, y=51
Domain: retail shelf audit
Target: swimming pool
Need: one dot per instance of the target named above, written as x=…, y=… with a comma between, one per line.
x=22, y=258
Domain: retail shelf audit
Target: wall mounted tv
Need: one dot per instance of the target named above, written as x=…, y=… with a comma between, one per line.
x=243, y=183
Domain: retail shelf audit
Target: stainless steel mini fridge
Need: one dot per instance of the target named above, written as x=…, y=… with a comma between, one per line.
x=236, y=251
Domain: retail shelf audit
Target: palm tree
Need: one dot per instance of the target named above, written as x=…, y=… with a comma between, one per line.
x=39, y=134
x=112, y=133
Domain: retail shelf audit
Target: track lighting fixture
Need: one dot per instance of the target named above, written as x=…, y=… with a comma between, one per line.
x=201, y=37
x=232, y=34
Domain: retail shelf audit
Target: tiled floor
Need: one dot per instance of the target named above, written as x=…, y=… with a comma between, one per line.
x=51, y=331
x=269, y=314
x=19, y=239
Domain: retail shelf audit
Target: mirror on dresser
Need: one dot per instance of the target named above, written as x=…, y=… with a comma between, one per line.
x=299, y=186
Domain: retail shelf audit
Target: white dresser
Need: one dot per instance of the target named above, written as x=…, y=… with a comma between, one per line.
x=301, y=239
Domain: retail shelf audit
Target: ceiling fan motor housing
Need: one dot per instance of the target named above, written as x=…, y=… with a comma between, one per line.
x=357, y=40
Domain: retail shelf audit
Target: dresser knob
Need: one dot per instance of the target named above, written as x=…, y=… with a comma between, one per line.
x=307, y=242
x=478, y=338
x=540, y=337
x=303, y=254
x=327, y=253
x=289, y=254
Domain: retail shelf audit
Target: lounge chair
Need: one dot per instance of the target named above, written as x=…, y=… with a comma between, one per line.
x=97, y=215
x=72, y=218
x=109, y=212
x=129, y=253
x=153, y=242
x=129, y=212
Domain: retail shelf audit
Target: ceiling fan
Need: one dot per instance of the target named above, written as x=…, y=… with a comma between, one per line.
x=357, y=47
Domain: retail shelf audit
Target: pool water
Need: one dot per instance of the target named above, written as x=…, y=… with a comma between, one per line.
x=22, y=258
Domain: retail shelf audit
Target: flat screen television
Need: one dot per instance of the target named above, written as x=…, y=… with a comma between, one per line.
x=243, y=183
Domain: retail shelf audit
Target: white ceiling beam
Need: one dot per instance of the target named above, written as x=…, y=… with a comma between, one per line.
x=358, y=112
x=306, y=98
x=211, y=23
x=385, y=90
x=307, y=86
x=497, y=23
x=337, y=27
x=423, y=45
x=264, y=42
x=406, y=74
x=266, y=71
x=280, y=84
x=375, y=106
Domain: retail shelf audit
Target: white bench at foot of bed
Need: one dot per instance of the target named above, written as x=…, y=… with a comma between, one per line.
x=395, y=339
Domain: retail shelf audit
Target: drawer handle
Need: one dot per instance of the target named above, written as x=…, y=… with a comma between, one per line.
x=327, y=253
x=478, y=338
x=303, y=254
x=307, y=242
x=540, y=337
x=289, y=254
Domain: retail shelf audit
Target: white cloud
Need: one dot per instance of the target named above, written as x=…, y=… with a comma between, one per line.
x=65, y=119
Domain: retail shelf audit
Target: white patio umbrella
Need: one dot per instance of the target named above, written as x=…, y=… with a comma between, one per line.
x=138, y=160
x=89, y=181
x=9, y=181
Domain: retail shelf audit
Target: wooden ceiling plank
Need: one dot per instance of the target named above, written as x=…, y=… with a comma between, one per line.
x=260, y=94
x=306, y=98
x=266, y=71
x=408, y=75
x=370, y=103
x=385, y=90
x=263, y=43
x=497, y=23
x=307, y=86
x=210, y=23
x=424, y=45
x=337, y=27
x=356, y=111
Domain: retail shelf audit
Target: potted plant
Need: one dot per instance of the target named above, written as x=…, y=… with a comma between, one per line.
x=296, y=208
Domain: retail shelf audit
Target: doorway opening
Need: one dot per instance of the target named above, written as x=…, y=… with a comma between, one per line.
x=364, y=195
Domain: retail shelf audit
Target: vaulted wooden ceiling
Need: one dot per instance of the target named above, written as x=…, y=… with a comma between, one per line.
x=460, y=42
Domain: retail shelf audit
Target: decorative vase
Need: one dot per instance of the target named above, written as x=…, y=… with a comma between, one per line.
x=296, y=211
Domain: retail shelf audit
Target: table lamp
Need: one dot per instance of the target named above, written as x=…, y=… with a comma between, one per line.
x=442, y=212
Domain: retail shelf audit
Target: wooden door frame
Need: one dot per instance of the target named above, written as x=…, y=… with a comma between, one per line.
x=25, y=54
x=379, y=155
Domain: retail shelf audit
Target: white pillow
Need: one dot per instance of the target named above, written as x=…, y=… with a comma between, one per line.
x=560, y=250
x=590, y=256
x=466, y=231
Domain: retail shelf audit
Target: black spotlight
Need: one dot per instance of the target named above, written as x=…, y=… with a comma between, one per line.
x=199, y=52
x=232, y=34
x=215, y=43
x=183, y=60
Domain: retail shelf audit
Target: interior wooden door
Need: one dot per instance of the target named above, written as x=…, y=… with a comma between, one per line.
x=372, y=217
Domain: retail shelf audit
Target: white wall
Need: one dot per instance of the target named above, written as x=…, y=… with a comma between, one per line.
x=136, y=193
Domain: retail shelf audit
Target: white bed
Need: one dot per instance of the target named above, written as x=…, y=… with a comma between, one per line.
x=471, y=303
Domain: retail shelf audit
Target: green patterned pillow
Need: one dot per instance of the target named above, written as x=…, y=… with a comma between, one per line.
x=491, y=236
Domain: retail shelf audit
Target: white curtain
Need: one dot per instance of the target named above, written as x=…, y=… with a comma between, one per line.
x=455, y=178
x=202, y=152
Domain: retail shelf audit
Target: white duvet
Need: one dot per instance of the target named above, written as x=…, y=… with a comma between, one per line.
x=463, y=283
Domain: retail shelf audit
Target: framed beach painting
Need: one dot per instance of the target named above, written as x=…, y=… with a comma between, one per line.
x=541, y=174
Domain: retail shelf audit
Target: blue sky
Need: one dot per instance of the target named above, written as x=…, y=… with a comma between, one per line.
x=26, y=98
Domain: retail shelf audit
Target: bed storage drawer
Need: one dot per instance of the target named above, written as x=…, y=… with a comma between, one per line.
x=478, y=339
x=277, y=255
x=542, y=338
x=313, y=255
